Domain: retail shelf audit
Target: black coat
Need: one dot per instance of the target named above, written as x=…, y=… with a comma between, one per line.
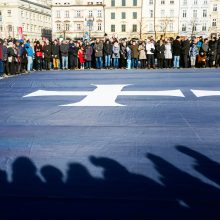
x=107, y=49
x=160, y=49
x=56, y=51
x=218, y=46
x=176, y=47
x=47, y=51
x=185, y=47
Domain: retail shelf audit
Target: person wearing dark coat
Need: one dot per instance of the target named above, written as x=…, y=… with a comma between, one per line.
x=88, y=55
x=107, y=50
x=160, y=49
x=39, y=55
x=176, y=48
x=98, y=48
x=134, y=55
x=1, y=59
x=47, y=55
x=55, y=51
x=218, y=53
x=212, y=51
x=11, y=66
x=185, y=52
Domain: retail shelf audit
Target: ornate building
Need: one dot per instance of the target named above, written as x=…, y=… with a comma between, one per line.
x=25, y=18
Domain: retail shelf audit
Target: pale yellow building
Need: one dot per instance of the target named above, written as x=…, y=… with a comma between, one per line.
x=214, y=18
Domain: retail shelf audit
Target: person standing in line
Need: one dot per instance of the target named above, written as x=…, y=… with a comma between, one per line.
x=47, y=55
x=98, y=48
x=30, y=55
x=128, y=51
x=142, y=55
x=55, y=51
x=185, y=52
x=134, y=55
x=39, y=56
x=107, y=49
x=193, y=53
x=168, y=54
x=160, y=49
x=88, y=55
x=218, y=53
x=1, y=59
x=116, y=54
x=150, y=50
x=81, y=58
x=64, y=49
x=176, y=52
x=123, y=55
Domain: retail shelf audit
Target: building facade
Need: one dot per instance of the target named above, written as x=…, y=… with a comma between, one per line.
x=78, y=18
x=161, y=17
x=29, y=19
x=214, y=18
x=194, y=18
x=124, y=18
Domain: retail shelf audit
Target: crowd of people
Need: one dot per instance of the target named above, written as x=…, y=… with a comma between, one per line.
x=23, y=56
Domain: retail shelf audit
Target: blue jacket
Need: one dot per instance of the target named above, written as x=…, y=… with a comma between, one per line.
x=29, y=50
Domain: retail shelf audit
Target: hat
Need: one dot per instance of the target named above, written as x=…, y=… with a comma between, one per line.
x=10, y=44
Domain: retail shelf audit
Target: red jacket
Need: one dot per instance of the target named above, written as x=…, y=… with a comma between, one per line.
x=1, y=52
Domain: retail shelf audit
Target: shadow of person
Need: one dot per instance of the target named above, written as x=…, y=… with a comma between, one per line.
x=201, y=199
x=53, y=185
x=141, y=196
x=24, y=177
x=204, y=165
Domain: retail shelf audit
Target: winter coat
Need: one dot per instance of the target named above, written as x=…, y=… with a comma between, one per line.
x=142, y=54
x=55, y=50
x=5, y=53
x=11, y=55
x=73, y=50
x=64, y=49
x=205, y=48
x=218, y=46
x=213, y=48
x=88, y=53
x=128, y=50
x=107, y=49
x=123, y=52
x=134, y=51
x=160, y=49
x=29, y=50
x=194, y=51
x=176, y=48
x=38, y=51
x=168, y=51
x=98, y=47
x=1, y=52
x=81, y=56
x=47, y=51
x=185, y=47
x=150, y=48
x=116, y=51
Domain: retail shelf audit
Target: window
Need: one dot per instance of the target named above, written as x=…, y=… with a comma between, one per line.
x=204, y=28
x=123, y=15
x=214, y=22
x=195, y=13
x=67, y=15
x=22, y=14
x=78, y=14
x=162, y=2
x=215, y=7
x=134, y=2
x=171, y=13
x=162, y=13
x=183, y=27
x=9, y=13
x=112, y=28
x=195, y=2
x=151, y=2
x=58, y=27
x=123, y=2
x=1, y=28
x=99, y=26
x=184, y=2
x=67, y=27
x=171, y=26
x=90, y=14
x=151, y=13
x=112, y=2
x=78, y=27
x=134, y=15
x=123, y=28
x=205, y=2
x=58, y=14
x=172, y=2
x=184, y=13
x=99, y=13
x=204, y=13
x=134, y=28
x=10, y=28
x=113, y=15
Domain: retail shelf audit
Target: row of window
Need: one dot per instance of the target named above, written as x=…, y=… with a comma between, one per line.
x=78, y=13
x=35, y=16
x=124, y=3
x=195, y=2
x=78, y=27
x=123, y=15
